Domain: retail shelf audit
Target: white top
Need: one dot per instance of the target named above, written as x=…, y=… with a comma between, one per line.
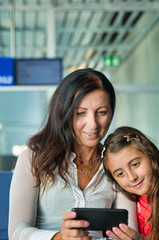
x=33, y=216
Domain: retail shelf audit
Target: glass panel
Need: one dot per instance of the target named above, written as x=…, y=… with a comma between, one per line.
x=5, y=34
x=139, y=110
x=21, y=114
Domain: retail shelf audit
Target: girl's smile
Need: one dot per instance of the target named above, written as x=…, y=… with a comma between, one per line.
x=138, y=185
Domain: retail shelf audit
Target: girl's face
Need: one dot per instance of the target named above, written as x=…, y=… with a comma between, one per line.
x=131, y=169
x=92, y=118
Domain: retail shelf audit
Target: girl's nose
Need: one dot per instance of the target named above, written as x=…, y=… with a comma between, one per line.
x=132, y=176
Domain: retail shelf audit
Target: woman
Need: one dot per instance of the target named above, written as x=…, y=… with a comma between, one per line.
x=61, y=168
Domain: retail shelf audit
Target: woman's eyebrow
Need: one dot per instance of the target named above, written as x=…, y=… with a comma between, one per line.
x=97, y=108
x=105, y=106
x=81, y=107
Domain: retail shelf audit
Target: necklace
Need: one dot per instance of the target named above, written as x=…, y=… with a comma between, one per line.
x=82, y=160
x=88, y=173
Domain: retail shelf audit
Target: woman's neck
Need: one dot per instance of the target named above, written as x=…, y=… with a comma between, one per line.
x=87, y=154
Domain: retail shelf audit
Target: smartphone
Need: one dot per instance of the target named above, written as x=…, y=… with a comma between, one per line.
x=102, y=219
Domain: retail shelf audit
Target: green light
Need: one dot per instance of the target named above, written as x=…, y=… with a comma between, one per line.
x=112, y=61
x=107, y=61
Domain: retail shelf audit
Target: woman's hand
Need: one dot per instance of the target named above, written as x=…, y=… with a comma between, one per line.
x=124, y=233
x=70, y=227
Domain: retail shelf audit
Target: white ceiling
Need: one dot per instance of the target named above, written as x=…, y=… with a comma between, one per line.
x=82, y=32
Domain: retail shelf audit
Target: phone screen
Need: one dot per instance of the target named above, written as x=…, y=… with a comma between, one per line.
x=102, y=219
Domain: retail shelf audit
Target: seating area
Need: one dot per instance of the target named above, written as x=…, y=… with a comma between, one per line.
x=5, y=180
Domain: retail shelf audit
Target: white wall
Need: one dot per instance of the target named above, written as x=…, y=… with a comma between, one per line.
x=140, y=109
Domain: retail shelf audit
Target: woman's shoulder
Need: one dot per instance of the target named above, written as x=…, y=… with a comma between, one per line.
x=25, y=158
x=26, y=152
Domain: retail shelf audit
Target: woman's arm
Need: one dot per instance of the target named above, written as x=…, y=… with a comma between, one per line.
x=23, y=208
x=23, y=203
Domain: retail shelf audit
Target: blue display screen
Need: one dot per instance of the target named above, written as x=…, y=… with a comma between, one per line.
x=38, y=71
x=6, y=71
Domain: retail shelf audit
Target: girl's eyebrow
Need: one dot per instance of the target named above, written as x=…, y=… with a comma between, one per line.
x=119, y=169
x=135, y=158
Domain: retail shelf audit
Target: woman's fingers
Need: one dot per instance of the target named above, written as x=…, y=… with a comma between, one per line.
x=69, y=223
x=71, y=229
x=78, y=238
x=69, y=215
x=74, y=233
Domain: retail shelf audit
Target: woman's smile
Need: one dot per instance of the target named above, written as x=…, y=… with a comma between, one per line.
x=91, y=135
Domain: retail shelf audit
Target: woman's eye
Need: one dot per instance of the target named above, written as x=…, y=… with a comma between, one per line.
x=79, y=113
x=102, y=112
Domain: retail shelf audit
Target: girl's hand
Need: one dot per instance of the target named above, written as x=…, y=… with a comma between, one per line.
x=69, y=229
x=124, y=233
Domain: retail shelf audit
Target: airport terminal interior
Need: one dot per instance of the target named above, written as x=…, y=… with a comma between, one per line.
x=117, y=37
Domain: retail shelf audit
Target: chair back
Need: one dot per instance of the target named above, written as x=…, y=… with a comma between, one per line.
x=5, y=180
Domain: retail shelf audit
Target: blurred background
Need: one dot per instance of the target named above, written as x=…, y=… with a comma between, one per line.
x=118, y=37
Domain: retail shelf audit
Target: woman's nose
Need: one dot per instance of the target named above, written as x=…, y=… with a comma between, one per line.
x=92, y=121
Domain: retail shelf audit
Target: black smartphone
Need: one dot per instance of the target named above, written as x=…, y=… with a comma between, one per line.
x=102, y=219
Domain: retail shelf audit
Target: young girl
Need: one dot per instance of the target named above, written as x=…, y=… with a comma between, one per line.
x=132, y=164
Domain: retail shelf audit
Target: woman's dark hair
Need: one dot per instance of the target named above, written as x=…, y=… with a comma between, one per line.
x=124, y=137
x=53, y=144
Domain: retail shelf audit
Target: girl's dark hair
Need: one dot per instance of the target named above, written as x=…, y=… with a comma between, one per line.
x=126, y=136
x=53, y=144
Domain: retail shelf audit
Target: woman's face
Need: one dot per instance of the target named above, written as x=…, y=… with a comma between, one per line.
x=131, y=169
x=92, y=118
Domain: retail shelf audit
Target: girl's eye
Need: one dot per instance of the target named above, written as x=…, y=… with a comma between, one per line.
x=136, y=164
x=120, y=174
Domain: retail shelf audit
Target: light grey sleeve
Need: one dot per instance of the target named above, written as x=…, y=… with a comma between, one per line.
x=23, y=203
x=123, y=202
